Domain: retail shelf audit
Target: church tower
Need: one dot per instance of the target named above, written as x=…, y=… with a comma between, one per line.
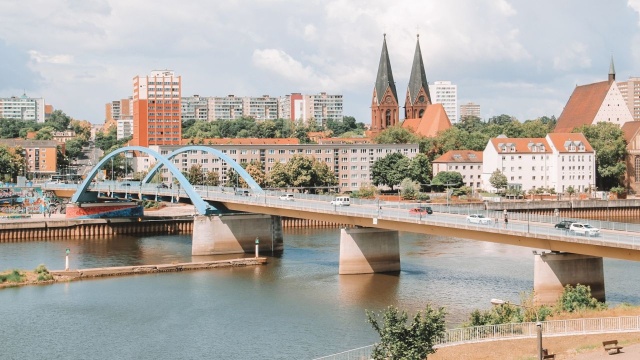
x=418, y=96
x=384, y=105
x=612, y=72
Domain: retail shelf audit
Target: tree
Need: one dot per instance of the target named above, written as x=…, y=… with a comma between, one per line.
x=58, y=120
x=420, y=169
x=390, y=170
x=256, y=171
x=399, y=340
x=73, y=147
x=212, y=178
x=447, y=179
x=396, y=135
x=570, y=190
x=578, y=298
x=195, y=175
x=498, y=180
x=410, y=189
x=302, y=171
x=608, y=141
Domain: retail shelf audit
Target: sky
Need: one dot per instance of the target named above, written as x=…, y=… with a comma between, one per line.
x=520, y=58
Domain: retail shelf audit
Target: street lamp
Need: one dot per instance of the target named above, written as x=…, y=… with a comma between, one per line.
x=538, y=323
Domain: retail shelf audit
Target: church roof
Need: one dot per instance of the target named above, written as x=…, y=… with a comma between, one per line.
x=418, y=78
x=630, y=128
x=433, y=121
x=384, y=79
x=582, y=107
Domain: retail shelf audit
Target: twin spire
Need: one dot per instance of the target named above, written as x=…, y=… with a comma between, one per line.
x=385, y=102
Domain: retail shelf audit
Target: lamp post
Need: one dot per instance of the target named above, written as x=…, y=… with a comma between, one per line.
x=538, y=323
x=528, y=210
x=257, y=246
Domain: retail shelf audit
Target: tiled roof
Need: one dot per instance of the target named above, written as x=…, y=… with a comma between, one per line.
x=241, y=141
x=504, y=145
x=433, y=121
x=561, y=141
x=461, y=156
x=630, y=128
x=418, y=77
x=582, y=107
x=384, y=79
x=362, y=140
x=30, y=143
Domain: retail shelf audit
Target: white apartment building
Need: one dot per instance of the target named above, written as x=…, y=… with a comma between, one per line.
x=466, y=162
x=350, y=162
x=194, y=108
x=446, y=93
x=22, y=108
x=469, y=109
x=124, y=128
x=318, y=107
x=557, y=161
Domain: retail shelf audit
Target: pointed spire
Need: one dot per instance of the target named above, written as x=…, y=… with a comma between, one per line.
x=612, y=71
x=384, y=79
x=418, y=77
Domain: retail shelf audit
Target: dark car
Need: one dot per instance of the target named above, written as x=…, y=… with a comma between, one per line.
x=564, y=224
x=421, y=210
x=162, y=186
x=242, y=192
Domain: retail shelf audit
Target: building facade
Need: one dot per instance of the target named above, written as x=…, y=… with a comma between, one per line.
x=466, y=162
x=23, y=108
x=40, y=156
x=446, y=93
x=350, y=162
x=194, y=108
x=124, y=128
x=469, y=109
x=630, y=91
x=156, y=109
x=385, y=110
x=558, y=161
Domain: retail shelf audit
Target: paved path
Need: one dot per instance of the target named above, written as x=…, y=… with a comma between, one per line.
x=631, y=352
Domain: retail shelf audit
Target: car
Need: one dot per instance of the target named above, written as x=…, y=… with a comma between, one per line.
x=584, y=229
x=564, y=224
x=287, y=197
x=162, y=186
x=341, y=201
x=478, y=219
x=126, y=184
x=241, y=192
x=421, y=210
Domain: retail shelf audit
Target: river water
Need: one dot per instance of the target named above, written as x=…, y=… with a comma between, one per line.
x=295, y=307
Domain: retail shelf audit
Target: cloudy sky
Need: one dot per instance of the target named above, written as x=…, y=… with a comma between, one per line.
x=521, y=58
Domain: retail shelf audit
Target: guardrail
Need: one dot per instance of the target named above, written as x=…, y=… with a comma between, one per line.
x=476, y=334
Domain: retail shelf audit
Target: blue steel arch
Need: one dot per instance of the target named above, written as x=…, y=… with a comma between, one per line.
x=202, y=207
x=239, y=169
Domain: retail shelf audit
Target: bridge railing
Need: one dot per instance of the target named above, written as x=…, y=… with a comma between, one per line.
x=476, y=334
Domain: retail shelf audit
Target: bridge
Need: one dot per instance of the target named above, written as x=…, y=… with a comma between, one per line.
x=229, y=223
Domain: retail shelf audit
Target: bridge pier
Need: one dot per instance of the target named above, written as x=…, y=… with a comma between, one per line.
x=368, y=250
x=235, y=234
x=553, y=271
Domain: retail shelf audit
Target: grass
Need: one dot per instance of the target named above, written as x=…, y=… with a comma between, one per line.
x=13, y=276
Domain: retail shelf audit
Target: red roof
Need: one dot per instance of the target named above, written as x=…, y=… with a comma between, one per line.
x=461, y=156
x=630, y=128
x=433, y=121
x=561, y=141
x=241, y=141
x=582, y=107
x=505, y=145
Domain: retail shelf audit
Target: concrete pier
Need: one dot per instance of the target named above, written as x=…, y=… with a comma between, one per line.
x=368, y=250
x=553, y=271
x=234, y=234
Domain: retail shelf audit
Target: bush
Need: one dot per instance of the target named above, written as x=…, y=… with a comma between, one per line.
x=365, y=192
x=14, y=276
x=43, y=273
x=578, y=298
x=423, y=197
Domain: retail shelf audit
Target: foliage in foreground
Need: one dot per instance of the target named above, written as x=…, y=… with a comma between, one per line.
x=401, y=341
x=573, y=299
x=43, y=273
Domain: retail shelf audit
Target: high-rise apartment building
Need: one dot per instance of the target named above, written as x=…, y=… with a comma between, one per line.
x=195, y=107
x=156, y=109
x=630, y=91
x=317, y=107
x=22, y=108
x=469, y=109
x=446, y=93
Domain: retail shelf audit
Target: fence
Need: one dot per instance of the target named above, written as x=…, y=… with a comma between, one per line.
x=514, y=331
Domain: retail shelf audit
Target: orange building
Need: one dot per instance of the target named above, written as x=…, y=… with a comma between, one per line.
x=156, y=109
x=40, y=155
x=384, y=103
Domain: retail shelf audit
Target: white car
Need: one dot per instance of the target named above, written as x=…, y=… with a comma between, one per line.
x=584, y=229
x=286, y=197
x=478, y=219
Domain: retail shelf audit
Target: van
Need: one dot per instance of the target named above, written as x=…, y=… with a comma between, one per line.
x=241, y=192
x=286, y=197
x=341, y=201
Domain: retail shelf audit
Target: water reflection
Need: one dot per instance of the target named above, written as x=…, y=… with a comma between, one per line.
x=377, y=290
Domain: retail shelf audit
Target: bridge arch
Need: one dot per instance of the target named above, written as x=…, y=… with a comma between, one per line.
x=239, y=169
x=201, y=206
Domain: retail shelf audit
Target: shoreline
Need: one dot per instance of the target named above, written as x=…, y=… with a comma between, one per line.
x=94, y=273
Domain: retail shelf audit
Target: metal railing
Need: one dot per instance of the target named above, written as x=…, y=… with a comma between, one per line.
x=476, y=334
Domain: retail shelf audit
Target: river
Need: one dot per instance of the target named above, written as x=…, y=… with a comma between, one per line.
x=295, y=307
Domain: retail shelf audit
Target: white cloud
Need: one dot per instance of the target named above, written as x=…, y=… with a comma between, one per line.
x=51, y=59
x=574, y=56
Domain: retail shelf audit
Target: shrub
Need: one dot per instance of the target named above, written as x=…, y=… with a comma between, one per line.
x=578, y=298
x=423, y=196
x=14, y=276
x=43, y=273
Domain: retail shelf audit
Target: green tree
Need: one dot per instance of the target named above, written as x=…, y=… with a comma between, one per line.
x=578, y=298
x=58, y=120
x=399, y=340
x=608, y=141
x=498, y=180
x=420, y=169
x=195, y=175
x=9, y=163
x=410, y=189
x=212, y=178
x=447, y=179
x=302, y=171
x=396, y=135
x=390, y=170
x=570, y=191
x=73, y=147
x=256, y=171
x=45, y=133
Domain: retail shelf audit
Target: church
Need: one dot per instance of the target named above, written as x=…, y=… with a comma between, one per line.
x=420, y=114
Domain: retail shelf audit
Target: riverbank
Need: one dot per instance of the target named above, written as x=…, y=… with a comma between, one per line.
x=31, y=277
